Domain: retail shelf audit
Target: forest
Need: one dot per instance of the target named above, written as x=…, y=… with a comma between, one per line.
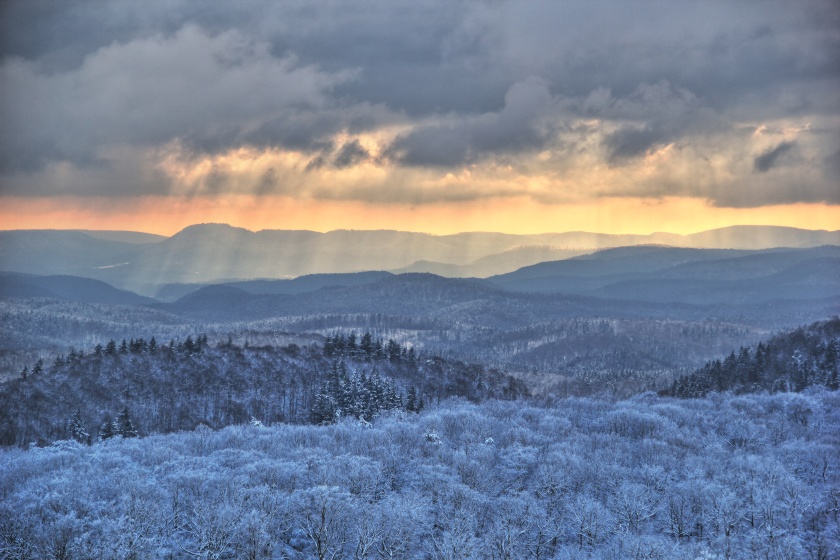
x=181, y=385
x=364, y=448
x=793, y=361
x=725, y=476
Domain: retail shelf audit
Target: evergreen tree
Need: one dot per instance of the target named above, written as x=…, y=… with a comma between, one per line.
x=743, y=366
x=24, y=373
x=411, y=400
x=374, y=396
x=111, y=347
x=351, y=347
x=329, y=346
x=339, y=344
x=393, y=400
x=800, y=372
x=106, y=430
x=393, y=351
x=728, y=372
x=39, y=367
x=378, y=349
x=339, y=385
x=366, y=346
x=124, y=427
x=76, y=428
x=138, y=346
x=757, y=365
x=324, y=409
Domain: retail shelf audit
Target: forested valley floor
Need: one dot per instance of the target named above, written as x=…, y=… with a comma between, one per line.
x=743, y=477
x=363, y=448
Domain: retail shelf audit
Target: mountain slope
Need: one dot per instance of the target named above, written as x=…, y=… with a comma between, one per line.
x=790, y=361
x=180, y=386
x=207, y=253
x=299, y=285
x=697, y=276
x=50, y=252
x=72, y=288
x=761, y=237
x=479, y=304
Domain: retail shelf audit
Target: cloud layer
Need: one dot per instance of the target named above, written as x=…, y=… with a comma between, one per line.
x=413, y=102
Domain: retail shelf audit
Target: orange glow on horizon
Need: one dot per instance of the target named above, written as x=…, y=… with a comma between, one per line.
x=167, y=216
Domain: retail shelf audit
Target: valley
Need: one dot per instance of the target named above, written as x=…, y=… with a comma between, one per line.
x=485, y=388
x=627, y=318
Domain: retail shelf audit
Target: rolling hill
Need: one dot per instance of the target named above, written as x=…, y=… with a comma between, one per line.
x=697, y=276
x=213, y=253
x=71, y=288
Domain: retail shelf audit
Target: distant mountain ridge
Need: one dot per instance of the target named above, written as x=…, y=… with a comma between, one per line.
x=299, y=285
x=207, y=253
x=629, y=281
x=634, y=311
x=647, y=280
x=73, y=288
x=696, y=276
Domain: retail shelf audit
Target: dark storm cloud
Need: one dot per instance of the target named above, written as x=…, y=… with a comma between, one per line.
x=770, y=158
x=831, y=165
x=311, y=131
x=207, y=92
x=630, y=142
x=351, y=153
x=659, y=114
x=100, y=85
x=517, y=127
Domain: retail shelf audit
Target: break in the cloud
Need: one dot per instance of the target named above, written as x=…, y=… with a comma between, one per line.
x=734, y=103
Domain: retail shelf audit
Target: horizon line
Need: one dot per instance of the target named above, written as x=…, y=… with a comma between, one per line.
x=472, y=232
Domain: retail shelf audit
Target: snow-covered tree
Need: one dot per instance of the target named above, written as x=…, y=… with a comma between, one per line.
x=76, y=428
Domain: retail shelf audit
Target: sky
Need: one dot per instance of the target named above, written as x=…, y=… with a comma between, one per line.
x=519, y=116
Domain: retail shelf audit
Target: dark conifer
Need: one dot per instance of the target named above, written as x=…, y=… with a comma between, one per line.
x=411, y=399
x=76, y=428
x=106, y=430
x=124, y=426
